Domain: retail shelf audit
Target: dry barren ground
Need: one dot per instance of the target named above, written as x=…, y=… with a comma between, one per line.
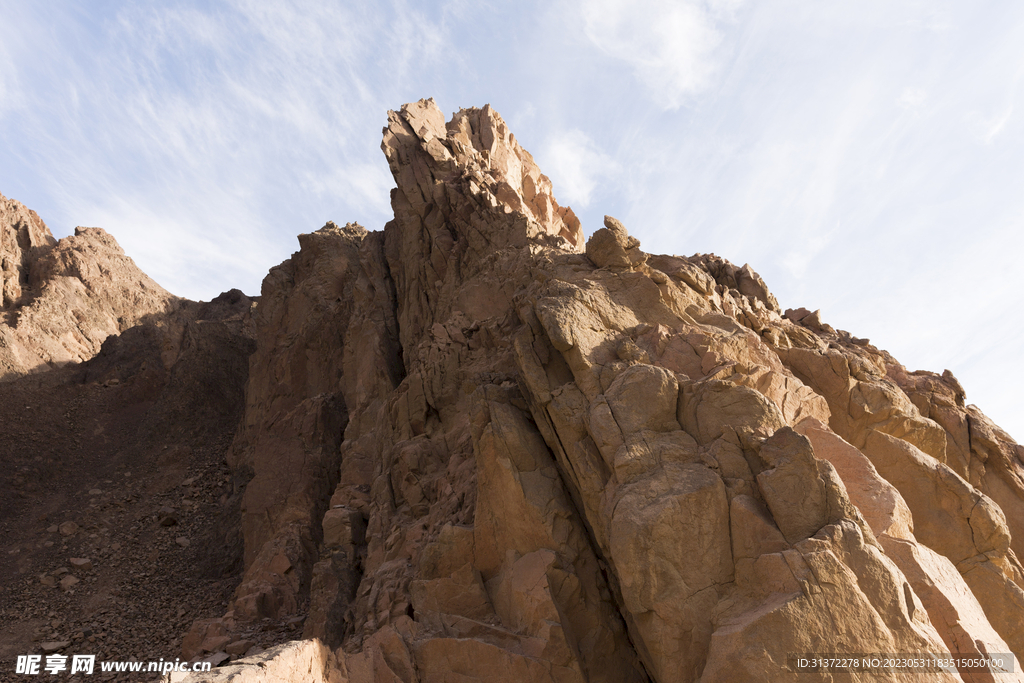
x=119, y=518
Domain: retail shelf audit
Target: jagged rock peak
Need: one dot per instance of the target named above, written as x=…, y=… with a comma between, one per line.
x=482, y=455
x=468, y=197
x=476, y=149
x=23, y=235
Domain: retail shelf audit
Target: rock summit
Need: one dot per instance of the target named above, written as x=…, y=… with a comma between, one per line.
x=478, y=447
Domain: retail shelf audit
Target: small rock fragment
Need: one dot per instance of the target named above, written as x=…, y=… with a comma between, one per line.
x=83, y=563
x=280, y=564
x=54, y=645
x=217, y=658
x=215, y=643
x=167, y=516
x=343, y=527
x=612, y=247
x=238, y=647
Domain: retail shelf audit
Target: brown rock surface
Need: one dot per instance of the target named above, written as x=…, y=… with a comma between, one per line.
x=482, y=450
x=600, y=466
x=90, y=454
x=23, y=238
x=61, y=299
x=308, y=661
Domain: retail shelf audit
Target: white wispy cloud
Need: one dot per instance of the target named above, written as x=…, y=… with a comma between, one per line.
x=984, y=128
x=912, y=98
x=671, y=46
x=801, y=254
x=180, y=127
x=576, y=166
x=364, y=186
x=7, y=83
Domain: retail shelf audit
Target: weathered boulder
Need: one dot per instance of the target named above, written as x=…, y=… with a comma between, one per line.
x=612, y=247
x=308, y=660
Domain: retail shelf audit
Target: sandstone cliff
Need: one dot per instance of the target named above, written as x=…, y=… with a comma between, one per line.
x=60, y=299
x=486, y=451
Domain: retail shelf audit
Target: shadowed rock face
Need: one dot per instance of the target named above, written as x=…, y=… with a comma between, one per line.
x=484, y=450
x=61, y=299
x=119, y=462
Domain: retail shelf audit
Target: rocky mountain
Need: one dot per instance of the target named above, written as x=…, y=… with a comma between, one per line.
x=115, y=499
x=475, y=446
x=61, y=299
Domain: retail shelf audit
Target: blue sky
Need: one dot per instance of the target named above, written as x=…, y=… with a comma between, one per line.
x=867, y=158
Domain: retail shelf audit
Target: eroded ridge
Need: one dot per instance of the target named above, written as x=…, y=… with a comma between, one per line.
x=59, y=300
x=569, y=462
x=484, y=450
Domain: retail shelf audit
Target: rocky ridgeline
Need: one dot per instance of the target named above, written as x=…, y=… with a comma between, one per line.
x=59, y=300
x=483, y=449
x=115, y=498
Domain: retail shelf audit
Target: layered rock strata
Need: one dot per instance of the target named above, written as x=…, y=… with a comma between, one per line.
x=59, y=300
x=486, y=451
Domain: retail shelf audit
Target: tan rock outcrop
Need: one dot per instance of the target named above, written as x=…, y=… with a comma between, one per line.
x=943, y=457
x=308, y=660
x=952, y=607
x=878, y=501
x=61, y=299
x=23, y=237
x=325, y=351
x=613, y=247
x=484, y=451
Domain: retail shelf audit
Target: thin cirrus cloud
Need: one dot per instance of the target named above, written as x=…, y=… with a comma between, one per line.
x=578, y=164
x=673, y=47
x=987, y=128
x=8, y=93
x=864, y=157
x=199, y=133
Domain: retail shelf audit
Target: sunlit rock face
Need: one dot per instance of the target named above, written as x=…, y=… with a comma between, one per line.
x=59, y=300
x=486, y=450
